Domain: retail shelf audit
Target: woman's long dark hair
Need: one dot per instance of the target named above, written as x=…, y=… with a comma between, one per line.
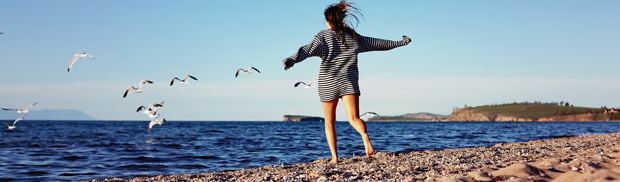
x=336, y=15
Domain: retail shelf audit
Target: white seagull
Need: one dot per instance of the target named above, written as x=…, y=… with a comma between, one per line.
x=311, y=85
x=184, y=81
x=23, y=110
x=368, y=114
x=76, y=57
x=152, y=108
x=138, y=89
x=246, y=71
x=11, y=127
x=154, y=122
x=151, y=111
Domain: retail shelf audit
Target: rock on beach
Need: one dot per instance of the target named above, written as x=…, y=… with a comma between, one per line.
x=582, y=158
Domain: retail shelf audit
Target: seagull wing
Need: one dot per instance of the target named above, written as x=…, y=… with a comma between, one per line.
x=128, y=90
x=7, y=124
x=17, y=120
x=238, y=71
x=142, y=82
x=172, y=82
x=158, y=104
x=90, y=56
x=140, y=108
x=255, y=69
x=35, y=103
x=9, y=109
x=191, y=77
x=297, y=84
x=312, y=82
x=151, y=125
x=75, y=58
x=156, y=122
x=369, y=113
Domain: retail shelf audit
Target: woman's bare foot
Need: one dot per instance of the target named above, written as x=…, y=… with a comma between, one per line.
x=370, y=152
x=334, y=161
x=368, y=146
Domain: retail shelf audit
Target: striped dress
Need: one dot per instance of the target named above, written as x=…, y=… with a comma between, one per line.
x=339, y=74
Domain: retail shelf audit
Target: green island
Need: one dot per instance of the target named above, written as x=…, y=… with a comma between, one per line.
x=298, y=118
x=536, y=111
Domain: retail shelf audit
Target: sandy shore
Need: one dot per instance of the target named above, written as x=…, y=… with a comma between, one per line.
x=584, y=158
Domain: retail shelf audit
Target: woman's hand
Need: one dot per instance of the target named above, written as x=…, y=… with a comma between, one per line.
x=406, y=39
x=288, y=63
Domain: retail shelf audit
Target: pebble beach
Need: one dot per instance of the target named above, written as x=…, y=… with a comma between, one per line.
x=582, y=158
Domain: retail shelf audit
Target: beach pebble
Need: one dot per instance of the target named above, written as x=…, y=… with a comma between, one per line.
x=599, y=151
x=322, y=179
x=286, y=178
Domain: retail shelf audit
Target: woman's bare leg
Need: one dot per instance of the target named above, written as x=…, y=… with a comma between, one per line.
x=351, y=105
x=329, y=111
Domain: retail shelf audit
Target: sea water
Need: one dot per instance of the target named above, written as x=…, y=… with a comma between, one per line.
x=84, y=150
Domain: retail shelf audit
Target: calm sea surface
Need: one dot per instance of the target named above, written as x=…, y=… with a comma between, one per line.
x=83, y=150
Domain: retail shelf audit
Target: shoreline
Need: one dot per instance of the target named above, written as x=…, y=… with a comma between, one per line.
x=581, y=158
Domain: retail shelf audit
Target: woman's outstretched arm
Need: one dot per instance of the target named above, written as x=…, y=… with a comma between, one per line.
x=375, y=44
x=314, y=48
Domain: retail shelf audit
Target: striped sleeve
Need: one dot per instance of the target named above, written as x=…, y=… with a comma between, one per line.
x=314, y=48
x=375, y=44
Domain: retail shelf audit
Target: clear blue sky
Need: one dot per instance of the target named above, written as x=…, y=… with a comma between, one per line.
x=463, y=53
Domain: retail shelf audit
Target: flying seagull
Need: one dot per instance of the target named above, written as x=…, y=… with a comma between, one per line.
x=11, y=127
x=152, y=108
x=184, y=81
x=368, y=114
x=138, y=89
x=76, y=57
x=151, y=111
x=246, y=71
x=154, y=122
x=23, y=110
x=311, y=85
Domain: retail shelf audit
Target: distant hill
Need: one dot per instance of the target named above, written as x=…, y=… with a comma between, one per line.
x=530, y=112
x=421, y=116
x=296, y=118
x=47, y=114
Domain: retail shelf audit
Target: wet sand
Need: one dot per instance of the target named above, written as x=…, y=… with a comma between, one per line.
x=583, y=158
